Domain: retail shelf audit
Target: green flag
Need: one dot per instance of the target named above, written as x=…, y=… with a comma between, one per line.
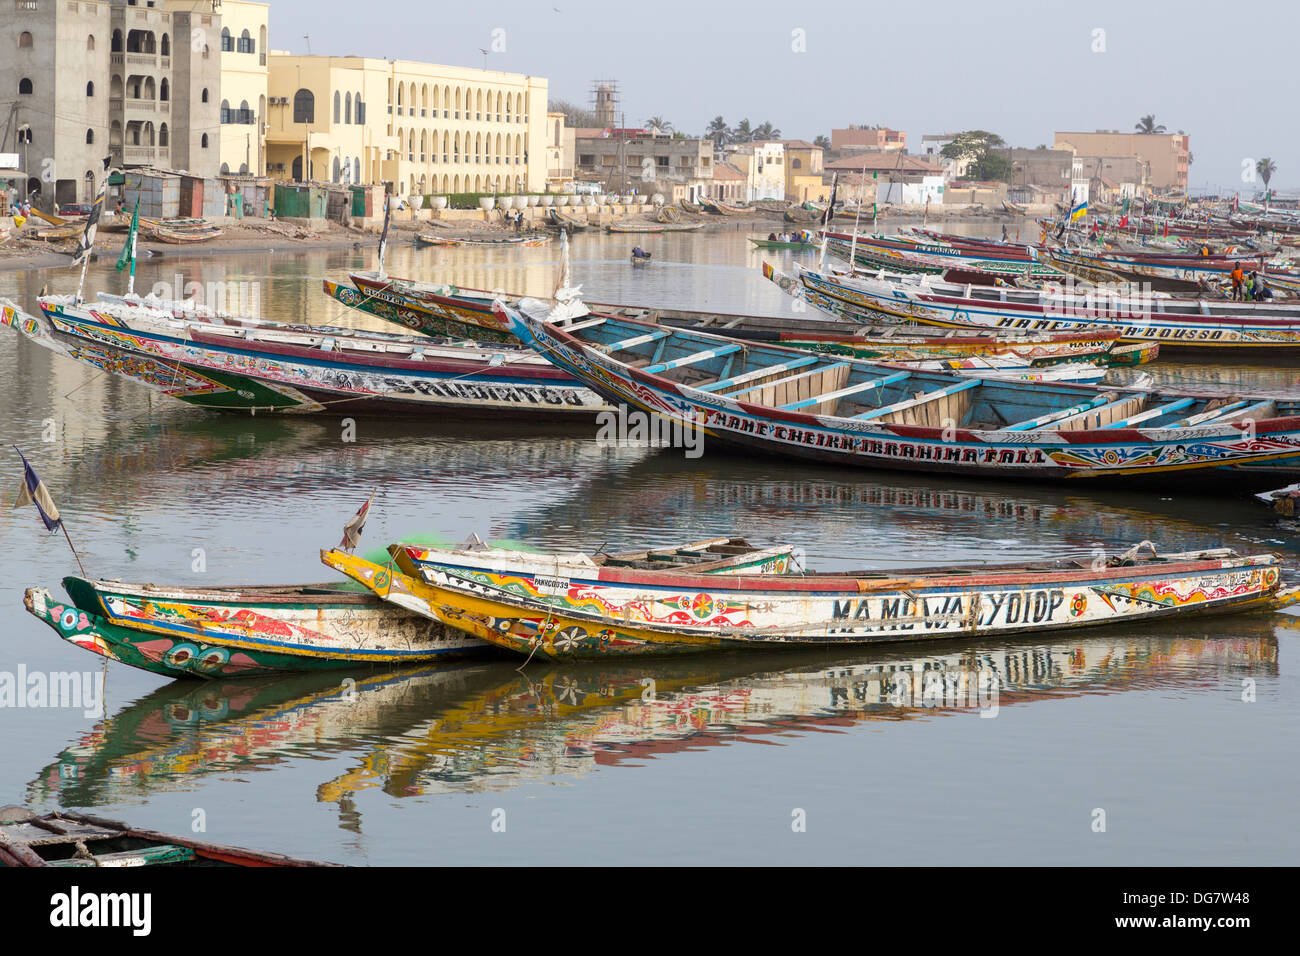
x=127, y=258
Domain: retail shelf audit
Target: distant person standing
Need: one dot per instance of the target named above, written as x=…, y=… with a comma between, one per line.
x=1238, y=278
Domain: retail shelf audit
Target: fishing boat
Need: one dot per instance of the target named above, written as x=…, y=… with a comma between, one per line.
x=239, y=631
x=64, y=838
x=212, y=633
x=1167, y=270
x=841, y=410
x=250, y=366
x=636, y=227
x=802, y=244
x=1014, y=209
x=643, y=259
x=432, y=309
x=167, y=232
x=1003, y=354
x=692, y=207
x=522, y=240
x=906, y=254
x=428, y=239
x=1176, y=324
x=607, y=612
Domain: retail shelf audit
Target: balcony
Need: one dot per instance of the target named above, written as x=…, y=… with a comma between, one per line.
x=146, y=155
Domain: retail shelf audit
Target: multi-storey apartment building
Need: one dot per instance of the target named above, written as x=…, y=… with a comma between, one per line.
x=425, y=128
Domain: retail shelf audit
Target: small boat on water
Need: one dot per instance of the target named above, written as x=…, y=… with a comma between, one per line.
x=640, y=257
x=838, y=409
x=520, y=240
x=222, y=632
x=187, y=234
x=64, y=838
x=800, y=245
x=616, y=611
x=249, y=366
x=1176, y=324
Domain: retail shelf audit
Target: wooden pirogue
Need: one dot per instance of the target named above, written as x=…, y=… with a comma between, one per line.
x=221, y=632
x=65, y=838
x=628, y=611
x=1174, y=323
x=841, y=410
x=442, y=310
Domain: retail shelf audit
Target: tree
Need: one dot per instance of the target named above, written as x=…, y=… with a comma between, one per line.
x=718, y=131
x=823, y=141
x=743, y=132
x=1266, y=168
x=1147, y=124
x=659, y=123
x=766, y=130
x=974, y=147
x=574, y=115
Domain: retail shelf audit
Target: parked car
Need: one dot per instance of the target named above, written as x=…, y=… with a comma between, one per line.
x=74, y=209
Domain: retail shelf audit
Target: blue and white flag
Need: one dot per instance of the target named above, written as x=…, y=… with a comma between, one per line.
x=34, y=492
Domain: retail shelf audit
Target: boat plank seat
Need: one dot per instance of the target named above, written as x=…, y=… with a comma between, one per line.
x=635, y=340
x=1059, y=414
x=926, y=408
x=692, y=359
x=1265, y=408
x=843, y=392
x=1200, y=418
x=1102, y=415
x=584, y=324
x=1151, y=413
x=754, y=375
x=792, y=388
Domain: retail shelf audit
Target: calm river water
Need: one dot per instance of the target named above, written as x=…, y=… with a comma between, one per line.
x=1179, y=733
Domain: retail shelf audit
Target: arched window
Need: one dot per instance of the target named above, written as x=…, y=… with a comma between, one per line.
x=347, y=109
x=227, y=41
x=225, y=169
x=25, y=86
x=166, y=47
x=90, y=137
x=115, y=45
x=24, y=40
x=163, y=136
x=361, y=113
x=296, y=170
x=24, y=134
x=356, y=169
x=225, y=111
x=204, y=97
x=335, y=177
x=245, y=114
x=203, y=141
x=304, y=107
x=90, y=42
x=164, y=90
x=90, y=88
x=246, y=43
x=338, y=106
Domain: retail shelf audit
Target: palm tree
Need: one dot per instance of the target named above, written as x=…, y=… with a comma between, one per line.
x=1147, y=124
x=823, y=141
x=743, y=132
x=766, y=130
x=659, y=123
x=718, y=131
x=1266, y=168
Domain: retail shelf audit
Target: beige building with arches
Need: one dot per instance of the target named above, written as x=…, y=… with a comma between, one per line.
x=423, y=127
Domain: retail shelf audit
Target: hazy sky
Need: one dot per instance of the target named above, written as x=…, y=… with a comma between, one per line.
x=1021, y=68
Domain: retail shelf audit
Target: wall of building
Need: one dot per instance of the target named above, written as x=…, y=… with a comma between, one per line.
x=59, y=113
x=638, y=162
x=244, y=75
x=417, y=130
x=1167, y=153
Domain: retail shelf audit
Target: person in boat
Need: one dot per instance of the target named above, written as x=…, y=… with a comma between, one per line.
x=1262, y=291
x=1004, y=232
x=639, y=253
x=1238, y=279
x=771, y=237
x=1248, y=288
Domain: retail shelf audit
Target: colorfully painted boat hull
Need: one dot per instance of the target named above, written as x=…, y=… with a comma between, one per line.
x=909, y=420
x=615, y=612
x=213, y=633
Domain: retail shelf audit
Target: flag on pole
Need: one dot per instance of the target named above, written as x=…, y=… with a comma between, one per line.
x=87, y=241
x=1079, y=210
x=352, y=530
x=127, y=258
x=33, y=492
x=383, y=236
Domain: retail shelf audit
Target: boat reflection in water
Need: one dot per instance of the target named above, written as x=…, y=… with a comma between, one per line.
x=483, y=727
